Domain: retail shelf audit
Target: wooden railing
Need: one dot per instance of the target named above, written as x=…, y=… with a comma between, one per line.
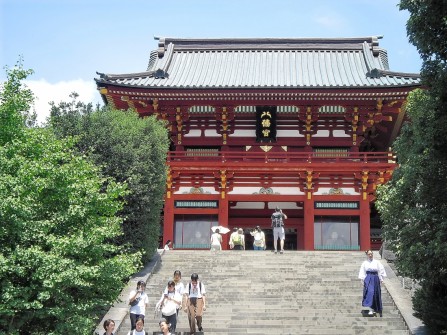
x=282, y=157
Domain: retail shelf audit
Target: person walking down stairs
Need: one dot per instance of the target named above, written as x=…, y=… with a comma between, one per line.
x=139, y=325
x=164, y=327
x=138, y=301
x=168, y=304
x=195, y=303
x=179, y=287
x=371, y=274
x=109, y=327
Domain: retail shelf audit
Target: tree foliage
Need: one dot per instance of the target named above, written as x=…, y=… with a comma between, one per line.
x=427, y=30
x=413, y=205
x=58, y=267
x=130, y=149
x=15, y=102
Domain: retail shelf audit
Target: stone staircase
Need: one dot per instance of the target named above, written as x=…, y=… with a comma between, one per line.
x=257, y=292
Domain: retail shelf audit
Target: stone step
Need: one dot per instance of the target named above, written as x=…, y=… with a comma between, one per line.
x=263, y=293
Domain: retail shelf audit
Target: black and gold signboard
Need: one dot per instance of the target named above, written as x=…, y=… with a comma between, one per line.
x=265, y=123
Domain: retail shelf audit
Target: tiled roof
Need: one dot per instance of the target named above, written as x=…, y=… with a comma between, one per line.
x=266, y=63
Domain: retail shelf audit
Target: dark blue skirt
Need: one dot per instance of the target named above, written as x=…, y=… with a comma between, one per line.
x=372, y=295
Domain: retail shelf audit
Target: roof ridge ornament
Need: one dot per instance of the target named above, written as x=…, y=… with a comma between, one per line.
x=159, y=74
x=161, y=46
x=375, y=73
x=102, y=75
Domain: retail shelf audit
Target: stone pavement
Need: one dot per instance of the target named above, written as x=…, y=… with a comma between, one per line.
x=300, y=292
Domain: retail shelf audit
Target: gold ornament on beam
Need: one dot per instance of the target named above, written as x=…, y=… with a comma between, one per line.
x=266, y=148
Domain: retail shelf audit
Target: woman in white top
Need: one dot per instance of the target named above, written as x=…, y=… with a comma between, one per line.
x=372, y=274
x=179, y=286
x=138, y=301
x=167, y=245
x=216, y=240
x=169, y=303
x=258, y=239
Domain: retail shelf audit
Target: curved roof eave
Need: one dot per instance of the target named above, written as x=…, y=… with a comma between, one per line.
x=164, y=88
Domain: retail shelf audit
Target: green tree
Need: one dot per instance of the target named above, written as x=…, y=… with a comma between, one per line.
x=15, y=102
x=58, y=267
x=413, y=205
x=130, y=149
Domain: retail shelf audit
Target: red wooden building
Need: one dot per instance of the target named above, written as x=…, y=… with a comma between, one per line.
x=301, y=123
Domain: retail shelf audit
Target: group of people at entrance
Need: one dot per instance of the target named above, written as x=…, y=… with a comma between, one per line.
x=237, y=237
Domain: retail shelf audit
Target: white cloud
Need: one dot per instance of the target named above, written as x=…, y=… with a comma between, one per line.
x=45, y=92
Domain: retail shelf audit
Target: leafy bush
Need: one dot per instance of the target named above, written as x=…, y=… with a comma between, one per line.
x=130, y=149
x=58, y=267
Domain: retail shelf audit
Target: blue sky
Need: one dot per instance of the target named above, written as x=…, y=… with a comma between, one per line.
x=66, y=41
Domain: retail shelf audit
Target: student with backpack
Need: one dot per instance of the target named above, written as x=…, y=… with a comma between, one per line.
x=238, y=240
x=195, y=303
x=278, y=218
x=230, y=242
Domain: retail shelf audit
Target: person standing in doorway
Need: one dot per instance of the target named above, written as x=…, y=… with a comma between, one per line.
x=278, y=218
x=258, y=239
x=195, y=303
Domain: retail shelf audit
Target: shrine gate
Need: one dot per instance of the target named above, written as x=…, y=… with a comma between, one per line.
x=305, y=124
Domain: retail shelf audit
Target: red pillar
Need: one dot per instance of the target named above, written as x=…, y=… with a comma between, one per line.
x=223, y=220
x=365, y=227
x=168, y=223
x=309, y=222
